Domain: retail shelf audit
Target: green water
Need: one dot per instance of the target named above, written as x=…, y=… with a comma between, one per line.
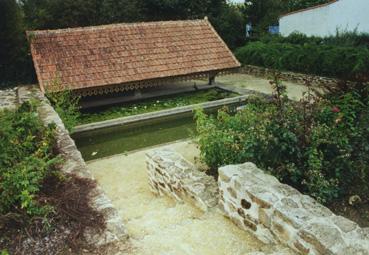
x=116, y=140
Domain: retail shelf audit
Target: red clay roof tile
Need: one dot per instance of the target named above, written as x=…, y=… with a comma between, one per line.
x=123, y=53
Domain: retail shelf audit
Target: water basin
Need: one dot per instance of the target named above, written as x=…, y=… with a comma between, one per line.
x=116, y=140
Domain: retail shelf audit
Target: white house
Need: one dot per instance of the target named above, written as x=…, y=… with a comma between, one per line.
x=326, y=19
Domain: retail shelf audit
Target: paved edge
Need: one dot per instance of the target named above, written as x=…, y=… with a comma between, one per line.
x=159, y=114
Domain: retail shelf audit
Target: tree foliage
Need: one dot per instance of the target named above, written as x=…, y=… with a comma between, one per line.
x=15, y=64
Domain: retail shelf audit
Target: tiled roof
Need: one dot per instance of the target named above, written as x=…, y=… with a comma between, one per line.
x=124, y=53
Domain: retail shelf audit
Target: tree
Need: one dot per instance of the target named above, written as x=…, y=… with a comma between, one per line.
x=51, y=14
x=175, y=9
x=14, y=63
x=293, y=5
x=114, y=11
x=263, y=13
x=231, y=25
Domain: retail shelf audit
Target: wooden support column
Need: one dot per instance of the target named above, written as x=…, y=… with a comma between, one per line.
x=211, y=78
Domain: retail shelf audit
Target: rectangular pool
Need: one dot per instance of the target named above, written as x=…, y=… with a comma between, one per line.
x=120, y=139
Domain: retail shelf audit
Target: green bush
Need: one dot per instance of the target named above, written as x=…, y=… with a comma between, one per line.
x=319, y=145
x=26, y=159
x=349, y=63
x=65, y=103
x=349, y=39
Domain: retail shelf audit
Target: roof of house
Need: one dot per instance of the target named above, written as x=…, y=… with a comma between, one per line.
x=310, y=8
x=88, y=57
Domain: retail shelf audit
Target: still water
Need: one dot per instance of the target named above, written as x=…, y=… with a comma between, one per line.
x=116, y=140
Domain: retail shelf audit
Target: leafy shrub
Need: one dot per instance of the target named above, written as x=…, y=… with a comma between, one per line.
x=37, y=200
x=65, y=103
x=349, y=63
x=349, y=39
x=26, y=159
x=319, y=145
x=4, y=252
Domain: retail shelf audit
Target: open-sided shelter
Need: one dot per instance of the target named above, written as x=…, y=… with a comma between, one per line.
x=120, y=57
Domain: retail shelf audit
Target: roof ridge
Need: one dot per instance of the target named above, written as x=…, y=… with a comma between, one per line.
x=115, y=56
x=309, y=8
x=114, y=25
x=221, y=39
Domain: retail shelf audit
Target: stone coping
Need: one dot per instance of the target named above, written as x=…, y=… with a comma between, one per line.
x=274, y=212
x=299, y=78
x=159, y=114
x=8, y=98
x=74, y=164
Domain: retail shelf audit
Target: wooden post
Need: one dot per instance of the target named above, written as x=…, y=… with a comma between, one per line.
x=211, y=79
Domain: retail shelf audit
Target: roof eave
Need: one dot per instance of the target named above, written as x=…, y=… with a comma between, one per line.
x=309, y=8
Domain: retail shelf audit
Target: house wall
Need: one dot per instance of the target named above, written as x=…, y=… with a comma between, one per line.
x=343, y=15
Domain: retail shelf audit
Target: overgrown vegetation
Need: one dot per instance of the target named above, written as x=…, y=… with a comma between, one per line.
x=26, y=159
x=349, y=39
x=152, y=105
x=65, y=103
x=319, y=145
x=345, y=62
x=42, y=211
x=15, y=62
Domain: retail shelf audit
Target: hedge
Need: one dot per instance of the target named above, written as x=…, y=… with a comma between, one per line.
x=353, y=39
x=348, y=63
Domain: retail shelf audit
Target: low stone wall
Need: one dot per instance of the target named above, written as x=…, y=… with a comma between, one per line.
x=170, y=174
x=8, y=98
x=275, y=212
x=289, y=76
x=74, y=164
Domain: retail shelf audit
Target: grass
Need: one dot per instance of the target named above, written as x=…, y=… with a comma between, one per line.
x=152, y=105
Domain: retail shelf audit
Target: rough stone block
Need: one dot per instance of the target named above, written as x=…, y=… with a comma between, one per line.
x=265, y=217
x=258, y=203
x=172, y=175
x=323, y=237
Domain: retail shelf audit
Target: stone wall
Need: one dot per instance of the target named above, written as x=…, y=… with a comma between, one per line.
x=299, y=78
x=74, y=164
x=170, y=174
x=277, y=213
x=8, y=98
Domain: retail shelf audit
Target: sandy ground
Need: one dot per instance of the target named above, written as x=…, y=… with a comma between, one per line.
x=245, y=81
x=159, y=225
